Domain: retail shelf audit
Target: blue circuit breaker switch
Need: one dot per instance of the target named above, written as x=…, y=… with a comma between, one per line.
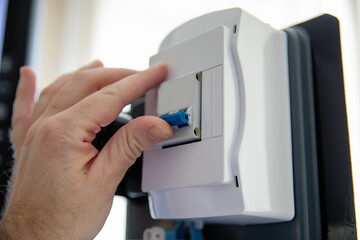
x=179, y=119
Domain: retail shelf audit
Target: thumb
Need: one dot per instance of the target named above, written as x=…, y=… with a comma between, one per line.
x=127, y=145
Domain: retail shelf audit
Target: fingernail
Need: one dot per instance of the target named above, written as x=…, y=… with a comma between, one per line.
x=158, y=64
x=21, y=71
x=157, y=134
x=96, y=62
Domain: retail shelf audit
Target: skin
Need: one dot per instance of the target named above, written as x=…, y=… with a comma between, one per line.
x=62, y=187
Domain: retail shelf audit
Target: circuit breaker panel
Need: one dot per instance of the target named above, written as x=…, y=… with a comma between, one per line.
x=227, y=97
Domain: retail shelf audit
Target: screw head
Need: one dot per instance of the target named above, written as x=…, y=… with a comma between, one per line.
x=196, y=131
x=198, y=76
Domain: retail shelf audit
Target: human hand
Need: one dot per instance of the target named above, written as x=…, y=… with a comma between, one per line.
x=61, y=186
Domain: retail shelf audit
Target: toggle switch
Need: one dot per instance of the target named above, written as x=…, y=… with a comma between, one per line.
x=179, y=119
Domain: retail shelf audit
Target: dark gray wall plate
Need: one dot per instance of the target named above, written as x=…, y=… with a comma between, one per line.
x=334, y=163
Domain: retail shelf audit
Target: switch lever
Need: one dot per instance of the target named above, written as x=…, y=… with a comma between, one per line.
x=179, y=119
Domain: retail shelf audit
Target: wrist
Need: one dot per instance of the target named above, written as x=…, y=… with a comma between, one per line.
x=29, y=226
x=7, y=230
x=13, y=227
x=4, y=233
x=16, y=226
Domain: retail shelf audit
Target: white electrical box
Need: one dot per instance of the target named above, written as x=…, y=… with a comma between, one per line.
x=232, y=160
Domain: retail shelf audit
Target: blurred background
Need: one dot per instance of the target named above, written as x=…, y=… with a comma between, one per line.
x=66, y=34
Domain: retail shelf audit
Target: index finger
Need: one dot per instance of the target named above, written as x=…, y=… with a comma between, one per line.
x=103, y=106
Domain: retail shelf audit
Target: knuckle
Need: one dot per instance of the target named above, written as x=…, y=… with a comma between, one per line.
x=109, y=91
x=133, y=148
x=52, y=89
x=31, y=132
x=48, y=127
x=51, y=128
x=86, y=80
x=113, y=91
x=18, y=119
x=79, y=75
x=48, y=91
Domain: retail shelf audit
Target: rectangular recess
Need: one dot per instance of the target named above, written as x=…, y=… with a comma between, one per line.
x=179, y=94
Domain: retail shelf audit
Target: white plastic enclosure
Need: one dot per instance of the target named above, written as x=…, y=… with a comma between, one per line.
x=230, y=71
